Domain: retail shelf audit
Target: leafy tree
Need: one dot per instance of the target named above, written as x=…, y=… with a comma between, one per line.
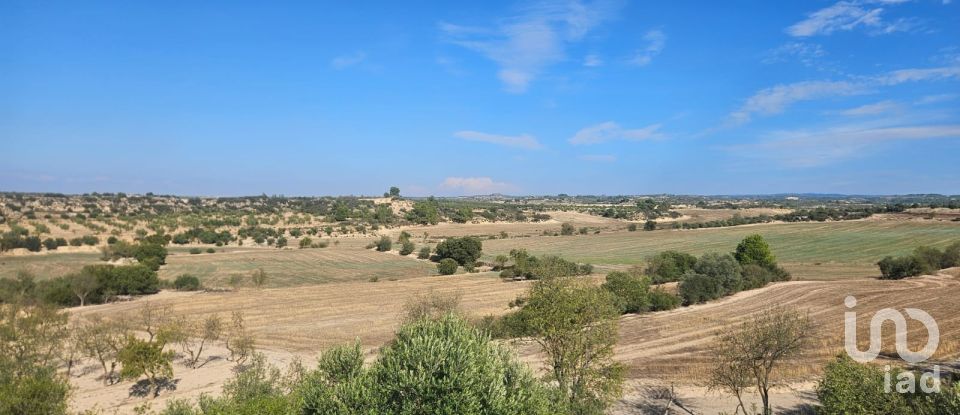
x=668, y=266
x=755, y=250
x=30, y=342
x=722, y=268
x=698, y=288
x=447, y=266
x=394, y=191
x=892, y=268
x=631, y=291
x=446, y=366
x=146, y=358
x=83, y=285
x=464, y=250
x=576, y=326
x=660, y=300
x=566, y=229
x=650, y=225
x=424, y=213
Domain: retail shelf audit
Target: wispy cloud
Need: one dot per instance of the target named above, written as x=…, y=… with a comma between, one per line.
x=850, y=15
x=654, y=42
x=812, y=148
x=599, y=158
x=807, y=53
x=524, y=45
x=776, y=99
x=610, y=130
x=935, y=99
x=348, y=60
x=475, y=185
x=592, y=60
x=520, y=141
x=876, y=108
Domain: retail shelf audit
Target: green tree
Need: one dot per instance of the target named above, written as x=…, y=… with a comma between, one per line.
x=394, y=191
x=464, y=250
x=407, y=247
x=447, y=266
x=566, y=229
x=146, y=358
x=669, y=266
x=30, y=343
x=576, y=326
x=630, y=291
x=424, y=213
x=650, y=225
x=755, y=250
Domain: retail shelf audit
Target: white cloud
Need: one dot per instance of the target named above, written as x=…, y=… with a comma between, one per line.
x=610, y=130
x=775, y=99
x=876, y=108
x=807, y=53
x=591, y=61
x=521, y=141
x=935, y=99
x=654, y=40
x=346, y=61
x=913, y=75
x=599, y=158
x=524, y=45
x=475, y=185
x=850, y=15
x=811, y=148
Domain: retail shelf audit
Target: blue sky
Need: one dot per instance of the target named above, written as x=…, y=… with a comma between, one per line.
x=303, y=98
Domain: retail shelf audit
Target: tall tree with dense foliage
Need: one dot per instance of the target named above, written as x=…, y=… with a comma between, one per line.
x=755, y=250
x=464, y=250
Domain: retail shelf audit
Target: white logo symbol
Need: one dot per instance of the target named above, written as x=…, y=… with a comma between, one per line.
x=876, y=327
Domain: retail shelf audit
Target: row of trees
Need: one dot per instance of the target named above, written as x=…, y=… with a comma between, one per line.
x=521, y=265
x=93, y=284
x=923, y=260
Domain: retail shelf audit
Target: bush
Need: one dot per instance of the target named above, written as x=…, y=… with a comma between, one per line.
x=699, y=288
x=632, y=227
x=669, y=266
x=407, y=248
x=631, y=291
x=186, y=282
x=900, y=267
x=50, y=244
x=384, y=244
x=76, y=242
x=211, y=250
x=305, y=242
x=661, y=300
x=424, y=253
x=125, y=280
x=722, y=268
x=464, y=250
x=195, y=251
x=447, y=266
x=566, y=229
x=650, y=226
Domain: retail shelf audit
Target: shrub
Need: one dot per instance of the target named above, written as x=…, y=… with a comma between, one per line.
x=632, y=227
x=464, y=250
x=306, y=242
x=447, y=266
x=722, y=268
x=50, y=244
x=661, y=300
x=631, y=291
x=186, y=282
x=699, y=288
x=195, y=251
x=384, y=244
x=566, y=229
x=424, y=253
x=90, y=240
x=669, y=266
x=650, y=225
x=900, y=267
x=112, y=240
x=76, y=242
x=407, y=248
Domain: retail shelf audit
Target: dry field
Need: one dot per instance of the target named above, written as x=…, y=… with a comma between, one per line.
x=658, y=348
x=706, y=215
